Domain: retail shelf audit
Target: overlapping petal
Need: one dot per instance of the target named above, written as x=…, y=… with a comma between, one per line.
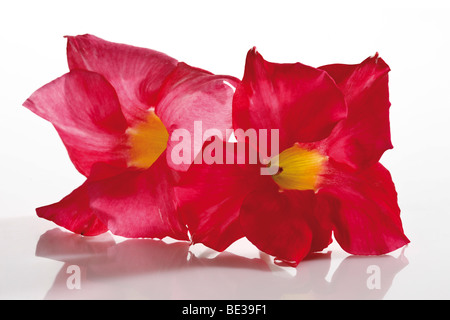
x=277, y=222
x=135, y=73
x=361, y=139
x=139, y=203
x=210, y=197
x=189, y=96
x=74, y=213
x=366, y=216
x=84, y=109
x=302, y=102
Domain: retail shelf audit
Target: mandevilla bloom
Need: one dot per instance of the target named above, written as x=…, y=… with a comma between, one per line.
x=115, y=112
x=126, y=116
x=333, y=126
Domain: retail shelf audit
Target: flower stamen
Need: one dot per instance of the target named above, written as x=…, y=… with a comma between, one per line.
x=147, y=141
x=299, y=168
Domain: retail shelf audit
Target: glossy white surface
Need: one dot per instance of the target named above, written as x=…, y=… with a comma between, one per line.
x=40, y=261
x=411, y=36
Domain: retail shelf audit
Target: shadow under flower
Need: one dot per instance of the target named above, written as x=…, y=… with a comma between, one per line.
x=154, y=269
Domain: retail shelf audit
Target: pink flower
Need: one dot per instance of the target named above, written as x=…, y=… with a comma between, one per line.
x=333, y=127
x=115, y=111
x=118, y=110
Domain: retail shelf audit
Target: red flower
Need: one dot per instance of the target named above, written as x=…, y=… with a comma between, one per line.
x=333, y=127
x=115, y=112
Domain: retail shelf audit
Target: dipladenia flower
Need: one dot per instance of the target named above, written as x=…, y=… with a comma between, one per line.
x=115, y=111
x=333, y=125
x=122, y=110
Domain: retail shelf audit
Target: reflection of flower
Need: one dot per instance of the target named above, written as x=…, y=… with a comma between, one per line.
x=115, y=111
x=329, y=177
x=151, y=269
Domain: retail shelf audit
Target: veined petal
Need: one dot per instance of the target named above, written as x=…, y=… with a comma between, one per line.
x=302, y=102
x=135, y=73
x=84, y=109
x=195, y=100
x=210, y=197
x=139, y=203
x=74, y=213
x=277, y=222
x=361, y=139
x=365, y=217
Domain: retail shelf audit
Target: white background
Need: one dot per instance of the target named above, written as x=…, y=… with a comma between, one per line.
x=412, y=37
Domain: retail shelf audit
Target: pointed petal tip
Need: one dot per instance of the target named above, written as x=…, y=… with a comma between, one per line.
x=253, y=52
x=27, y=103
x=79, y=36
x=378, y=62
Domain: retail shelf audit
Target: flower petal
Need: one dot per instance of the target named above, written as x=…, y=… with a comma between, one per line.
x=84, y=109
x=277, y=222
x=302, y=102
x=74, y=213
x=366, y=217
x=210, y=196
x=135, y=73
x=139, y=203
x=194, y=95
x=362, y=138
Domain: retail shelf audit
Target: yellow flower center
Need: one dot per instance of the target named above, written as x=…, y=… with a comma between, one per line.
x=299, y=168
x=147, y=141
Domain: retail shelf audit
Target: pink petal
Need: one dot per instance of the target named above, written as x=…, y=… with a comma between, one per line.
x=191, y=94
x=302, y=102
x=84, y=109
x=365, y=217
x=74, y=213
x=139, y=203
x=362, y=138
x=135, y=73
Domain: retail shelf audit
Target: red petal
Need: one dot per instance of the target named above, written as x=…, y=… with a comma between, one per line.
x=210, y=197
x=190, y=94
x=139, y=203
x=366, y=217
x=135, y=73
x=85, y=111
x=278, y=223
x=322, y=230
x=74, y=213
x=362, y=138
x=302, y=102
